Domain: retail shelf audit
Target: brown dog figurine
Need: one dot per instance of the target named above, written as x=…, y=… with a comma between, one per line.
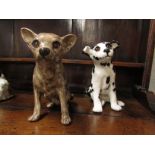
x=48, y=80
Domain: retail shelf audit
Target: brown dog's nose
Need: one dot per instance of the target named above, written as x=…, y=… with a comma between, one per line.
x=44, y=51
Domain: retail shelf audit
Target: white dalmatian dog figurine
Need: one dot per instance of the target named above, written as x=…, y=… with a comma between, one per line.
x=102, y=88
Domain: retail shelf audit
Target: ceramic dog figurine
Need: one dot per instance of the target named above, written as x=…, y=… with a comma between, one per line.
x=4, y=89
x=48, y=80
x=102, y=86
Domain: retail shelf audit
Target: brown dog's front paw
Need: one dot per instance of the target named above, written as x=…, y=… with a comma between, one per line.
x=34, y=117
x=65, y=119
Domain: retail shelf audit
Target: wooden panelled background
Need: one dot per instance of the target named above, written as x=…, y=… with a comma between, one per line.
x=132, y=35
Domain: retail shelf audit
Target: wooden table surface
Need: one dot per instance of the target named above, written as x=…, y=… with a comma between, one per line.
x=133, y=119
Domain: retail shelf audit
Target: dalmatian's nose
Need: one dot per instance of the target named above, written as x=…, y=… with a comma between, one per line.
x=107, y=51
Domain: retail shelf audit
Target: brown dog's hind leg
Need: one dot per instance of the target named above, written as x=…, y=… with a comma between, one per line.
x=65, y=118
x=37, y=106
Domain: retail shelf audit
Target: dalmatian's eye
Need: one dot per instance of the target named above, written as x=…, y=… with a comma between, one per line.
x=56, y=44
x=35, y=43
x=108, y=45
x=97, y=48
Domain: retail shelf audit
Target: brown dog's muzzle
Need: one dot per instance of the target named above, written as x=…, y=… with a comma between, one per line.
x=44, y=52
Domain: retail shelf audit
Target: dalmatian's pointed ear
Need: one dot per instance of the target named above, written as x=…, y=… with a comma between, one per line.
x=86, y=49
x=115, y=44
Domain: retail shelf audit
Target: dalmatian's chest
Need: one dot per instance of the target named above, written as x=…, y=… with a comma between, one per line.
x=103, y=75
x=102, y=71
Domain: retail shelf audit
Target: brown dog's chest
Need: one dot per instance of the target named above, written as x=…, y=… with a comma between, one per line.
x=48, y=79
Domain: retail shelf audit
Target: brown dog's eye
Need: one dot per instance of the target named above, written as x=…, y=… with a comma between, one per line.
x=56, y=44
x=97, y=48
x=35, y=43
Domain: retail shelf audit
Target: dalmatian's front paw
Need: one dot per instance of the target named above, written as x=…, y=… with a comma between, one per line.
x=116, y=107
x=86, y=49
x=120, y=103
x=97, y=108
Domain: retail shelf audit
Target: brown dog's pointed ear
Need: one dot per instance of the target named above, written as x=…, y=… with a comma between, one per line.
x=27, y=35
x=69, y=41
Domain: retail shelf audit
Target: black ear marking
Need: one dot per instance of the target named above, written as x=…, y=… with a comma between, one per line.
x=108, y=80
x=115, y=41
x=115, y=44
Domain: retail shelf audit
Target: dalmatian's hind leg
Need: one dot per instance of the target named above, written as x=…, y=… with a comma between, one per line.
x=94, y=94
x=103, y=101
x=113, y=100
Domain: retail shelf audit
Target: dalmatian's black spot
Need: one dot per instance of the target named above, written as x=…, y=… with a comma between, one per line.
x=91, y=85
x=97, y=48
x=113, y=83
x=108, y=64
x=90, y=91
x=96, y=58
x=114, y=89
x=103, y=64
x=108, y=80
x=108, y=87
